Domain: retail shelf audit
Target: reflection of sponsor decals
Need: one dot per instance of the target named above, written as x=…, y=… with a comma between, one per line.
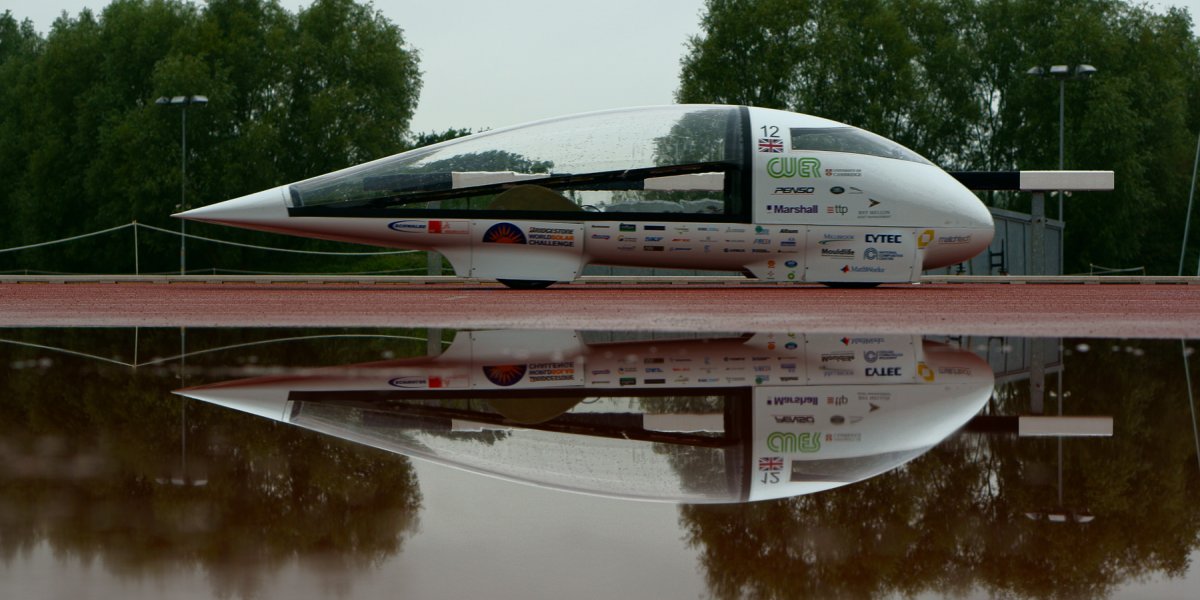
x=877, y=355
x=925, y=373
x=780, y=209
x=682, y=240
x=874, y=396
x=836, y=400
x=801, y=400
x=791, y=166
x=883, y=372
x=551, y=371
x=504, y=375
x=954, y=371
x=840, y=356
x=862, y=341
x=794, y=419
x=793, y=191
x=414, y=381
x=835, y=372
x=654, y=360
x=681, y=249
x=806, y=442
x=843, y=437
x=709, y=379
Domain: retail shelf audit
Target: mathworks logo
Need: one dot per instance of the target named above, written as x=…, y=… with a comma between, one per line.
x=504, y=233
x=791, y=166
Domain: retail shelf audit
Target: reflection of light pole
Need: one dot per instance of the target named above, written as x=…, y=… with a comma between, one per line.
x=183, y=102
x=1062, y=73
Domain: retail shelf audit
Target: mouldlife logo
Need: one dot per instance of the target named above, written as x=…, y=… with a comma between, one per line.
x=504, y=233
x=782, y=167
x=504, y=375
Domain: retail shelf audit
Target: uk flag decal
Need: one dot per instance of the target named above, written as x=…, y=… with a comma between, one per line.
x=770, y=145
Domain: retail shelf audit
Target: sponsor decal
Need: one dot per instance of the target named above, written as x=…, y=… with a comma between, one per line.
x=793, y=191
x=780, y=209
x=787, y=244
x=835, y=372
x=807, y=442
x=551, y=236
x=627, y=227
x=760, y=230
x=627, y=238
x=684, y=240
x=654, y=381
x=837, y=189
x=761, y=379
x=877, y=254
x=628, y=381
x=862, y=341
x=654, y=360
x=654, y=248
x=954, y=371
x=602, y=372
x=843, y=172
x=770, y=145
x=450, y=227
x=790, y=346
x=709, y=379
x=925, y=238
x=798, y=400
x=626, y=248
x=601, y=226
x=734, y=250
x=770, y=463
x=504, y=233
x=833, y=238
x=839, y=356
x=954, y=239
x=624, y=370
x=863, y=269
x=504, y=375
x=784, y=419
x=762, y=251
x=601, y=236
x=843, y=437
x=873, y=201
x=654, y=238
x=837, y=209
x=883, y=238
x=789, y=231
x=791, y=275
x=654, y=369
x=708, y=229
x=762, y=241
x=681, y=249
x=836, y=400
x=793, y=166
x=735, y=230
x=883, y=372
x=838, y=252
x=551, y=371
x=654, y=227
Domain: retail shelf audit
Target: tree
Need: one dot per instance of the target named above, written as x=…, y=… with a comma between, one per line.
x=291, y=96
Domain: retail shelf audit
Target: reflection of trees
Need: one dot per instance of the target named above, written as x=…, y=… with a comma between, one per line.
x=488, y=160
x=88, y=453
x=954, y=519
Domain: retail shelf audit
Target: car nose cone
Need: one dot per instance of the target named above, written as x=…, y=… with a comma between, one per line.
x=262, y=208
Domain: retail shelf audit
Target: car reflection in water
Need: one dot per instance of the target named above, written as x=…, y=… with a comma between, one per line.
x=712, y=419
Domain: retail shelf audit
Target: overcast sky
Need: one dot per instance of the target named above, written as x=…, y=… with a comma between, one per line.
x=490, y=63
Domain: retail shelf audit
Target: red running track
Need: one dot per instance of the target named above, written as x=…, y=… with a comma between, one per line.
x=1148, y=311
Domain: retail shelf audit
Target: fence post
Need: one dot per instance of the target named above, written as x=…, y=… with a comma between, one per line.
x=137, y=267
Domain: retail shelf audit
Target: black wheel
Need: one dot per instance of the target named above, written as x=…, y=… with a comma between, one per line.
x=850, y=285
x=526, y=284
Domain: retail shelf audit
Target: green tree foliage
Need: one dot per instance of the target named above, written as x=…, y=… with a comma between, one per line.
x=947, y=78
x=291, y=96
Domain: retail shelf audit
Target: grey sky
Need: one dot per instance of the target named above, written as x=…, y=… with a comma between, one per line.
x=488, y=64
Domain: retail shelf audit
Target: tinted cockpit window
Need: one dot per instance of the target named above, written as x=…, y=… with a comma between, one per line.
x=851, y=140
x=661, y=159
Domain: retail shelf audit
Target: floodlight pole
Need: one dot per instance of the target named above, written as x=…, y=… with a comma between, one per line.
x=1187, y=222
x=182, y=102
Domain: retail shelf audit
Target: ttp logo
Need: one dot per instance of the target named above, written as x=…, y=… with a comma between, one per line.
x=790, y=166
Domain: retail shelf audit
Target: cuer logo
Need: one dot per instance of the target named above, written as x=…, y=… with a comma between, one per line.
x=790, y=166
x=504, y=375
x=794, y=442
x=504, y=233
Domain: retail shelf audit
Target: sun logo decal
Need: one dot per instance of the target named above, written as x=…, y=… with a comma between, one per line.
x=504, y=375
x=504, y=233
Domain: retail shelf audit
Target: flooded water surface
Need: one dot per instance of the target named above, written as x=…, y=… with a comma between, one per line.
x=436, y=463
